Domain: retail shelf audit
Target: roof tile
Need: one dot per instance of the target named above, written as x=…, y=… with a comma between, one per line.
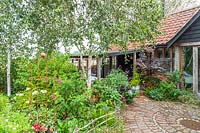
x=173, y=23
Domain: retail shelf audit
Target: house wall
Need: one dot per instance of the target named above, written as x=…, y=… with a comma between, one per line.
x=192, y=34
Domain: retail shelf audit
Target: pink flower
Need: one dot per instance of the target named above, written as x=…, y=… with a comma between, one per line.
x=53, y=96
x=36, y=127
x=52, y=128
x=44, y=128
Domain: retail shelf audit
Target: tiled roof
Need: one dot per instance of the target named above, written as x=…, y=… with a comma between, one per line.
x=169, y=27
x=173, y=23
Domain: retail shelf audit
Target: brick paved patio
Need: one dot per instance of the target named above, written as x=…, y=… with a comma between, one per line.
x=148, y=116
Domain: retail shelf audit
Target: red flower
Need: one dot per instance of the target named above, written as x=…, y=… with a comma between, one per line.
x=44, y=128
x=52, y=128
x=36, y=127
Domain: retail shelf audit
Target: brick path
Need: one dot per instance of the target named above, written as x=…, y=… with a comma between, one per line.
x=148, y=116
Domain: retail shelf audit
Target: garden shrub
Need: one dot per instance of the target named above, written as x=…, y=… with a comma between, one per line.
x=166, y=90
x=3, y=102
x=136, y=80
x=188, y=97
x=105, y=93
x=116, y=79
x=60, y=98
x=11, y=121
x=151, y=81
x=57, y=86
x=113, y=88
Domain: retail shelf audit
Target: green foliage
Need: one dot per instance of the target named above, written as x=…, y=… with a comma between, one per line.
x=188, y=97
x=109, y=89
x=50, y=82
x=151, y=81
x=20, y=73
x=166, y=90
x=105, y=93
x=174, y=77
x=111, y=96
x=3, y=101
x=69, y=125
x=129, y=95
x=11, y=121
x=116, y=79
x=57, y=80
x=136, y=80
x=113, y=88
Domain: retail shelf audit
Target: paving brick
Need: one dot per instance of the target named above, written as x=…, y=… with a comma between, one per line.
x=148, y=116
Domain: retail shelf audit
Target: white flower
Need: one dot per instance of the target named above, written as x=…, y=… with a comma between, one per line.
x=27, y=102
x=43, y=91
x=19, y=94
x=35, y=93
x=28, y=88
x=6, y=120
x=14, y=128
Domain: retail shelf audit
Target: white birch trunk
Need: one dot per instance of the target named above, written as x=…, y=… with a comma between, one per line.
x=8, y=72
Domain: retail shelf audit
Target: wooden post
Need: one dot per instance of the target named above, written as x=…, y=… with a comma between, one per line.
x=171, y=59
x=110, y=63
x=99, y=63
x=177, y=59
x=177, y=62
x=113, y=62
x=195, y=70
x=182, y=63
x=79, y=63
x=163, y=53
x=134, y=61
x=89, y=71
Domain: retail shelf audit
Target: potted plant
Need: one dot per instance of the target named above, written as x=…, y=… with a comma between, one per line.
x=135, y=82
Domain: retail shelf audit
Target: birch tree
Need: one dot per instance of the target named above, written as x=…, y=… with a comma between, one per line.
x=93, y=26
x=101, y=24
x=172, y=6
x=11, y=33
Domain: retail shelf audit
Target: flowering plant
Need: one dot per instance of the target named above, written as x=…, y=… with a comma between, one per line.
x=37, y=128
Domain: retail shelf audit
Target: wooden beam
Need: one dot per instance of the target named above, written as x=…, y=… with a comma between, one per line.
x=113, y=62
x=177, y=58
x=163, y=52
x=89, y=71
x=181, y=56
x=171, y=59
x=134, y=61
x=99, y=63
x=189, y=44
x=79, y=64
x=110, y=58
x=195, y=70
x=182, y=63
